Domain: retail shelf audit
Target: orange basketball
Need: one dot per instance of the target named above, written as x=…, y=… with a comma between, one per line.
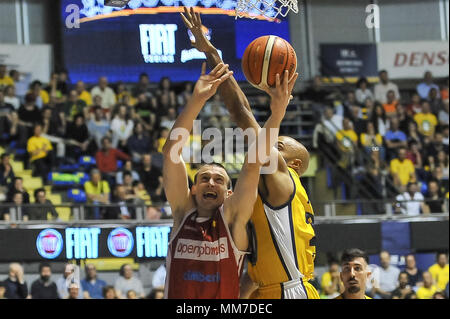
x=265, y=57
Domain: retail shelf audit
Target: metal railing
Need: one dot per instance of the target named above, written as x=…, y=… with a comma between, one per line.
x=325, y=211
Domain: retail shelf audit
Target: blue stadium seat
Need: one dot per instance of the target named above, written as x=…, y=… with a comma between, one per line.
x=77, y=195
x=87, y=161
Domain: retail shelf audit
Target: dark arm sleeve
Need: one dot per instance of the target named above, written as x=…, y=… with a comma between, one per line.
x=22, y=290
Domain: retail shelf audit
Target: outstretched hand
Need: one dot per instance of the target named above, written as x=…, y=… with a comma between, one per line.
x=193, y=22
x=207, y=84
x=281, y=94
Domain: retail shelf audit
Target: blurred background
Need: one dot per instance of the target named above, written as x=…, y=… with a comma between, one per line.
x=371, y=105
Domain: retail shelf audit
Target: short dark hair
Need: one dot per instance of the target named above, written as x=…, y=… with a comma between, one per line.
x=439, y=253
x=352, y=253
x=38, y=191
x=229, y=184
x=403, y=273
x=4, y=155
x=43, y=265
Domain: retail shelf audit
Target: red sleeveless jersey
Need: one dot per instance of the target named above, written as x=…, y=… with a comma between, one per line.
x=202, y=260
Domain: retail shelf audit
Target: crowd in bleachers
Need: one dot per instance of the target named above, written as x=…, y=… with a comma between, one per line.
x=387, y=281
x=112, y=134
x=393, y=142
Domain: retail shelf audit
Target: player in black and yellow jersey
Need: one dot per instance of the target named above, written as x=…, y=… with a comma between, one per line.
x=282, y=262
x=354, y=274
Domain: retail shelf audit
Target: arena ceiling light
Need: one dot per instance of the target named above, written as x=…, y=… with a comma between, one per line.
x=116, y=3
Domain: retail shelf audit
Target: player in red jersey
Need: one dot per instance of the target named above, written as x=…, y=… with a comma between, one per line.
x=209, y=235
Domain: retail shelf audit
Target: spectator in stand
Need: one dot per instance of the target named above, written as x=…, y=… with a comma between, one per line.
x=347, y=141
x=73, y=291
x=355, y=117
x=106, y=158
x=77, y=138
x=414, y=135
x=123, y=96
x=29, y=114
x=16, y=286
x=151, y=177
x=404, y=289
x=367, y=109
x=316, y=92
x=83, y=94
x=121, y=210
x=390, y=107
x=6, y=173
x=108, y=292
x=39, y=149
x=92, y=285
x=63, y=283
x=363, y=92
x=382, y=88
x=156, y=293
x=42, y=97
x=121, y=127
x=106, y=93
x=402, y=170
x=127, y=281
x=428, y=289
x=5, y=80
x=331, y=283
x=159, y=276
x=184, y=96
x=394, y=139
x=10, y=97
x=379, y=120
x=16, y=212
x=434, y=198
x=388, y=276
x=440, y=271
x=44, y=287
x=145, y=112
x=98, y=126
x=165, y=89
x=143, y=87
x=97, y=192
x=45, y=207
x=162, y=108
x=415, y=106
x=423, y=88
x=414, y=155
x=414, y=273
x=6, y=111
x=139, y=143
x=169, y=120
x=54, y=89
x=437, y=154
x=403, y=118
x=426, y=121
x=371, y=140
x=74, y=106
x=127, y=167
x=411, y=202
x=435, y=101
x=21, y=82
x=17, y=186
x=443, y=114
x=131, y=294
x=162, y=138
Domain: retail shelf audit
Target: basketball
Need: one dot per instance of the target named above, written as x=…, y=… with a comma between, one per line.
x=266, y=56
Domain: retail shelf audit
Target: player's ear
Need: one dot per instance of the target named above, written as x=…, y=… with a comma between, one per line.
x=194, y=189
x=229, y=193
x=296, y=164
x=369, y=273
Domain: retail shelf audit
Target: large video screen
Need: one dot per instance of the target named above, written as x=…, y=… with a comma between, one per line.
x=149, y=36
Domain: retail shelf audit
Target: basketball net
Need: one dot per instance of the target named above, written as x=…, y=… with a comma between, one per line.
x=267, y=8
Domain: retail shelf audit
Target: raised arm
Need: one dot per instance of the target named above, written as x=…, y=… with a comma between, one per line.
x=174, y=170
x=275, y=188
x=230, y=92
x=239, y=206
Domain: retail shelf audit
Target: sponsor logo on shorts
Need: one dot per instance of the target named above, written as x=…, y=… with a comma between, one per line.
x=202, y=250
x=200, y=277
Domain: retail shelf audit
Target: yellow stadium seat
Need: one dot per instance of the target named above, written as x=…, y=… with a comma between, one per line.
x=32, y=183
x=63, y=213
x=108, y=264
